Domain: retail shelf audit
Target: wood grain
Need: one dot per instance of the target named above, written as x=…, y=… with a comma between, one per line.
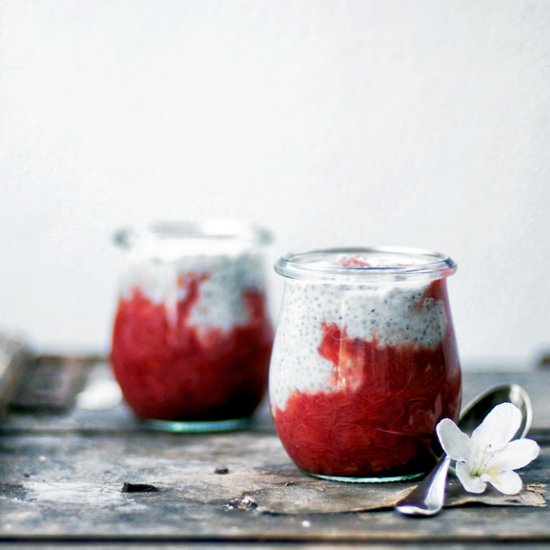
x=61, y=479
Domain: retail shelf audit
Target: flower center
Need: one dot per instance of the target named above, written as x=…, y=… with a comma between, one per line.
x=480, y=466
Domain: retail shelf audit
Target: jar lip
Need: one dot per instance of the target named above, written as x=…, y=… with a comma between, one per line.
x=205, y=230
x=352, y=265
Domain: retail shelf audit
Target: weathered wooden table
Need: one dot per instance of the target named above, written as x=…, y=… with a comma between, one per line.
x=62, y=475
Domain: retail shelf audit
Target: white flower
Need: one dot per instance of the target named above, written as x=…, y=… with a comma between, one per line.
x=490, y=455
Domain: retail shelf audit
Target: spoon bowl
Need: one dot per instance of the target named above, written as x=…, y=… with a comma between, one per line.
x=429, y=496
x=476, y=410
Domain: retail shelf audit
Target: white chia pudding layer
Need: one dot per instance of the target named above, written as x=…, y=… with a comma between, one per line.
x=392, y=314
x=220, y=304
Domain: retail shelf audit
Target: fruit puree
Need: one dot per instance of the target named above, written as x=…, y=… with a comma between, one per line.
x=361, y=377
x=196, y=348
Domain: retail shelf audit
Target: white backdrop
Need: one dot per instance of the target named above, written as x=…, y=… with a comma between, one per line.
x=423, y=123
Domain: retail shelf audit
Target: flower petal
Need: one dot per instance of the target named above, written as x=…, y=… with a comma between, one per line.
x=508, y=483
x=454, y=442
x=498, y=427
x=471, y=484
x=516, y=454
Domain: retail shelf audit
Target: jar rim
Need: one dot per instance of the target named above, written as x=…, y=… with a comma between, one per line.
x=205, y=230
x=352, y=265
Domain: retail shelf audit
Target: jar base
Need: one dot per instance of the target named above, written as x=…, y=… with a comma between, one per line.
x=206, y=426
x=380, y=479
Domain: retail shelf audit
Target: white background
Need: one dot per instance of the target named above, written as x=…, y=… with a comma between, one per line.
x=422, y=123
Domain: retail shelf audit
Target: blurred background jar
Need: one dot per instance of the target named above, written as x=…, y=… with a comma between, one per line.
x=365, y=362
x=192, y=335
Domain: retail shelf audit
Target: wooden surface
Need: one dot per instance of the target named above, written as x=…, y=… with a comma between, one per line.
x=61, y=480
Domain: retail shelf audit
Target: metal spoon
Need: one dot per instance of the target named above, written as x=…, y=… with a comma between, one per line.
x=429, y=496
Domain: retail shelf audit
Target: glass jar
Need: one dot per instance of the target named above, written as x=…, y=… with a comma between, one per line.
x=365, y=362
x=192, y=334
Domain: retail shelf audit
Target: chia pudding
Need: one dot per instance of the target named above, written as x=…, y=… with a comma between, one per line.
x=364, y=363
x=192, y=335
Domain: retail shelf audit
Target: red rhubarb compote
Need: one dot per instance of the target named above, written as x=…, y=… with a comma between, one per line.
x=192, y=338
x=363, y=370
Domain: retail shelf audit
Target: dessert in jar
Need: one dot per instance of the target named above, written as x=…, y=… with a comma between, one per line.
x=365, y=362
x=192, y=335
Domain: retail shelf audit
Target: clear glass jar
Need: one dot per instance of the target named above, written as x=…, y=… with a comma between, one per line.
x=364, y=362
x=192, y=334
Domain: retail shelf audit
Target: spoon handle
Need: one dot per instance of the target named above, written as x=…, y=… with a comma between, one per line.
x=429, y=496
